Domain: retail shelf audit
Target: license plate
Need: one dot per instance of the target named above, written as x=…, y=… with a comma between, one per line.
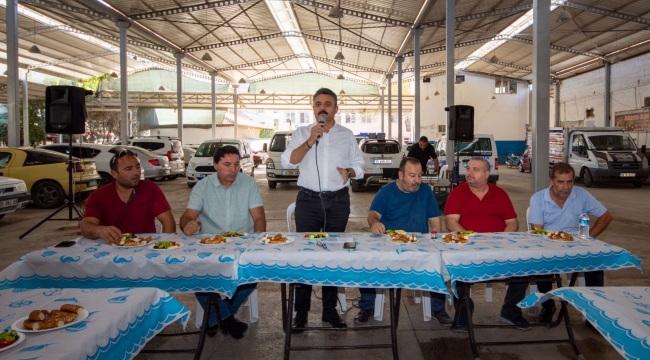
x=627, y=175
x=92, y=183
x=382, y=161
x=167, y=172
x=6, y=203
x=287, y=172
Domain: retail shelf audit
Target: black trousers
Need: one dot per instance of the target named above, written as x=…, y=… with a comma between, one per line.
x=314, y=214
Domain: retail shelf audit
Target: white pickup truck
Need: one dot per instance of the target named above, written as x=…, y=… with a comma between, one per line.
x=13, y=195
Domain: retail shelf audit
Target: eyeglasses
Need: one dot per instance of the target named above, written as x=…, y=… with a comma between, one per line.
x=122, y=153
x=321, y=244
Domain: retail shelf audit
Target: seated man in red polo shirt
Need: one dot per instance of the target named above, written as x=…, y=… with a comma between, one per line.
x=482, y=207
x=127, y=205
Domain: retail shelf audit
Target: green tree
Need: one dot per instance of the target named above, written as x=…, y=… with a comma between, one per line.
x=266, y=133
x=36, y=123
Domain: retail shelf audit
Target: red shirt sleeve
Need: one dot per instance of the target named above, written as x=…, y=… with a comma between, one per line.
x=508, y=209
x=159, y=202
x=454, y=204
x=94, y=207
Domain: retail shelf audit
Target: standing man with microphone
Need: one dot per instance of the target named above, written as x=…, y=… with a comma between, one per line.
x=328, y=156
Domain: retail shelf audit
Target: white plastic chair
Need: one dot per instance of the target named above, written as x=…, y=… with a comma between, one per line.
x=342, y=304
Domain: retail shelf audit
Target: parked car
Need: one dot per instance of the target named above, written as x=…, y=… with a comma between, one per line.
x=188, y=152
x=45, y=173
x=13, y=195
x=274, y=171
x=202, y=164
x=381, y=162
x=259, y=158
x=100, y=153
x=163, y=145
x=155, y=167
x=483, y=145
x=526, y=162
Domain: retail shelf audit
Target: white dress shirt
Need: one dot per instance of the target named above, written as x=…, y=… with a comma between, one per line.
x=338, y=147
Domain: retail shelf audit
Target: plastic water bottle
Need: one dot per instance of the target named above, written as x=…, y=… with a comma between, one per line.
x=583, y=225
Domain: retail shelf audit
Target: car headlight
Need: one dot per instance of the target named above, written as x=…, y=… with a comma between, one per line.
x=23, y=188
x=270, y=164
x=644, y=163
x=191, y=165
x=602, y=163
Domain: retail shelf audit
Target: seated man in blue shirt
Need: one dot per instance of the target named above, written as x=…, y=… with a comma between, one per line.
x=558, y=208
x=404, y=205
x=225, y=201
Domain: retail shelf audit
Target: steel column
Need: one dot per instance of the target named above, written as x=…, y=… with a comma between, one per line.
x=235, y=101
x=213, y=74
x=399, y=60
x=382, y=109
x=557, y=103
x=416, y=64
x=608, y=93
x=179, y=92
x=449, y=34
x=389, y=79
x=25, y=112
x=124, y=90
x=13, y=97
x=541, y=88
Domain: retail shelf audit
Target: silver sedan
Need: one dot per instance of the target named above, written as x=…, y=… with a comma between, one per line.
x=155, y=167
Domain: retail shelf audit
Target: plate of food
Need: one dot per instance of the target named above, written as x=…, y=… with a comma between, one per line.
x=317, y=235
x=401, y=237
x=541, y=232
x=44, y=320
x=276, y=239
x=216, y=240
x=166, y=245
x=132, y=240
x=234, y=234
x=10, y=339
x=560, y=236
x=457, y=238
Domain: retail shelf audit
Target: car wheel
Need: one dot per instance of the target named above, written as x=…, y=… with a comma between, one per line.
x=273, y=184
x=190, y=185
x=47, y=195
x=158, y=178
x=80, y=197
x=253, y=171
x=637, y=184
x=105, y=179
x=355, y=186
x=586, y=178
x=171, y=177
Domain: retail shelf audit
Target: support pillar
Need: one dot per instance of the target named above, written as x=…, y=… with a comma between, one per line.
x=13, y=96
x=213, y=74
x=389, y=79
x=25, y=111
x=416, y=64
x=608, y=93
x=383, y=119
x=541, y=89
x=179, y=92
x=400, y=139
x=557, y=103
x=124, y=88
x=449, y=34
x=235, y=101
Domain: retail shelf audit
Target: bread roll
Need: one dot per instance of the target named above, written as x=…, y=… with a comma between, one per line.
x=63, y=315
x=38, y=315
x=75, y=309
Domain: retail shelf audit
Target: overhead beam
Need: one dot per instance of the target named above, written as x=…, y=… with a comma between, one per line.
x=595, y=10
x=504, y=11
x=73, y=59
x=470, y=58
x=290, y=34
x=66, y=8
x=366, y=82
x=300, y=56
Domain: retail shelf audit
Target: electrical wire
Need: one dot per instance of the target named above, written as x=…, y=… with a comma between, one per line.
x=320, y=190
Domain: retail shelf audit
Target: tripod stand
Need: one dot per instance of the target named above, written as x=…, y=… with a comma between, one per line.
x=69, y=203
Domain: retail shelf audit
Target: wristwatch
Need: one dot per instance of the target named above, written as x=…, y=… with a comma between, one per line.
x=349, y=173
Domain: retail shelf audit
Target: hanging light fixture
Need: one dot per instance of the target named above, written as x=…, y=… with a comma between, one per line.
x=340, y=77
x=564, y=17
x=6, y=72
x=616, y=59
x=34, y=49
x=114, y=75
x=458, y=80
x=427, y=98
x=262, y=92
x=242, y=81
x=339, y=56
x=138, y=7
x=342, y=92
x=335, y=11
x=206, y=56
x=494, y=59
x=161, y=88
x=436, y=93
x=494, y=97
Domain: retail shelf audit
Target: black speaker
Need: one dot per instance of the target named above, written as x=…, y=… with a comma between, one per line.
x=65, y=109
x=461, y=122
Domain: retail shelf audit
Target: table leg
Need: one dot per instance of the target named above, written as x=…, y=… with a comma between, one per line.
x=211, y=304
x=465, y=306
x=287, y=323
x=394, y=313
x=283, y=291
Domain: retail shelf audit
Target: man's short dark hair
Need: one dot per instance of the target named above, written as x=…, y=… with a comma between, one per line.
x=114, y=160
x=410, y=160
x=223, y=151
x=561, y=168
x=326, y=91
x=425, y=139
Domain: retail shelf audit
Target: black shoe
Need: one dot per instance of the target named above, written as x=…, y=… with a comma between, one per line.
x=234, y=327
x=211, y=331
x=332, y=316
x=518, y=321
x=364, y=315
x=300, y=321
x=546, y=315
x=442, y=317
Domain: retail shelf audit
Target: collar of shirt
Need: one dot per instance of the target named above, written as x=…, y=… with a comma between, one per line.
x=116, y=196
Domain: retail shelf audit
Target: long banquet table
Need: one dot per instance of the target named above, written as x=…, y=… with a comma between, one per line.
x=120, y=323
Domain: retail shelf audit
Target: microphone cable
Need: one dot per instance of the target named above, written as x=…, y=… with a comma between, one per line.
x=320, y=189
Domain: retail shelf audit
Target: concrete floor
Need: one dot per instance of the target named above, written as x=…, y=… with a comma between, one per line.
x=417, y=339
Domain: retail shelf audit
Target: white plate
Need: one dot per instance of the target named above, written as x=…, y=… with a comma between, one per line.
x=235, y=237
x=440, y=236
x=18, y=325
x=306, y=236
x=134, y=246
x=289, y=241
x=21, y=338
x=180, y=245
x=228, y=241
x=390, y=239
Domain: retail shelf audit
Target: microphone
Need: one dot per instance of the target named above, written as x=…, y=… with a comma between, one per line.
x=321, y=120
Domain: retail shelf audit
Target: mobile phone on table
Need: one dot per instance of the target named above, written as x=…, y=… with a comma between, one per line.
x=350, y=245
x=67, y=243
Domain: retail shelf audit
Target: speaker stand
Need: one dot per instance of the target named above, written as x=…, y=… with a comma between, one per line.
x=455, y=175
x=69, y=203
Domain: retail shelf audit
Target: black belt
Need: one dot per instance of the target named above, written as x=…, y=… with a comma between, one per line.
x=325, y=194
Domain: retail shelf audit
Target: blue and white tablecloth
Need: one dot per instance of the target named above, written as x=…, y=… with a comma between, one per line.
x=492, y=256
x=621, y=314
x=376, y=262
x=96, y=264
x=120, y=323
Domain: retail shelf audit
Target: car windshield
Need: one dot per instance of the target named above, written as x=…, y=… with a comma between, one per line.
x=612, y=142
x=476, y=147
x=143, y=151
x=209, y=148
x=380, y=148
x=280, y=142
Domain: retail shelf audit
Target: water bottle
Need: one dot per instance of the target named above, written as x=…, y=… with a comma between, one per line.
x=583, y=225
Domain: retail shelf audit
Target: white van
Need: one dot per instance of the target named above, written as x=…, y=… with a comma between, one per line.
x=202, y=163
x=483, y=145
x=274, y=171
